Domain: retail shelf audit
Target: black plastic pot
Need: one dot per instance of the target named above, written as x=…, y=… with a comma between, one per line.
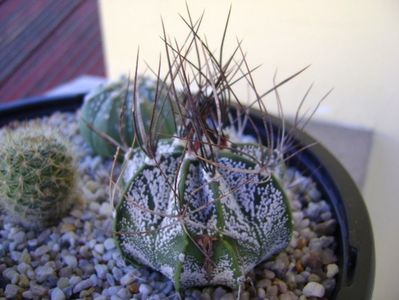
x=356, y=244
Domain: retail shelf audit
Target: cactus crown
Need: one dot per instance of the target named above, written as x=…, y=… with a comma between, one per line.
x=204, y=207
x=37, y=174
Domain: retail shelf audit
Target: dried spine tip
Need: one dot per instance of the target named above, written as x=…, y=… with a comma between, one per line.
x=37, y=175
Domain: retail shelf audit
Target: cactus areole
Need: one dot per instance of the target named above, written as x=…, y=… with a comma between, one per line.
x=199, y=228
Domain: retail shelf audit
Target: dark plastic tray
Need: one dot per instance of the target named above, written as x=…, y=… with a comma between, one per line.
x=356, y=243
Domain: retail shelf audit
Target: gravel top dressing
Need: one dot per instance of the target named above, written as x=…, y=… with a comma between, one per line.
x=78, y=258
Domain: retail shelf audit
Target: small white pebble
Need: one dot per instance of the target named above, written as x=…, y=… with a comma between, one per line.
x=101, y=270
x=11, y=275
x=263, y=283
x=332, y=270
x=145, y=289
x=313, y=289
x=228, y=296
x=106, y=209
x=57, y=294
x=99, y=248
x=261, y=293
x=71, y=261
x=11, y=291
x=127, y=279
x=109, y=244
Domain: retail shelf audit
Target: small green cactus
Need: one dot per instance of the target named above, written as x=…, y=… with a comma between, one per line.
x=37, y=175
x=107, y=112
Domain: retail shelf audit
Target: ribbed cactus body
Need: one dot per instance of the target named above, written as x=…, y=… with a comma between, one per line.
x=200, y=229
x=104, y=111
x=37, y=175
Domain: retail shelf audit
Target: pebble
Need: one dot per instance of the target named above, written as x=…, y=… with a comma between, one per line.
x=65, y=272
x=71, y=261
x=261, y=293
x=124, y=293
x=329, y=284
x=101, y=270
x=314, y=277
x=23, y=281
x=94, y=206
x=43, y=236
x=110, y=279
x=145, y=289
x=63, y=283
x=25, y=257
x=263, y=283
x=41, y=250
x=126, y=279
x=106, y=209
x=57, y=294
x=269, y=274
x=38, y=290
x=69, y=239
x=94, y=279
x=19, y=237
x=326, y=228
x=109, y=244
x=28, y=295
x=83, y=285
x=11, y=275
x=117, y=273
x=68, y=227
x=15, y=256
x=228, y=296
x=332, y=270
x=99, y=248
x=112, y=290
x=313, y=289
x=84, y=251
x=11, y=291
x=218, y=293
x=43, y=272
x=285, y=297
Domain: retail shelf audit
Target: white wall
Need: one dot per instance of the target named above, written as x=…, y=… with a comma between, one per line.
x=353, y=46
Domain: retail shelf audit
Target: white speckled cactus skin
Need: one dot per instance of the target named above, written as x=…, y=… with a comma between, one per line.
x=200, y=229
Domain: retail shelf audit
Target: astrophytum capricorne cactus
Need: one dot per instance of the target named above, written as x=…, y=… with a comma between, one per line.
x=106, y=114
x=199, y=228
x=201, y=207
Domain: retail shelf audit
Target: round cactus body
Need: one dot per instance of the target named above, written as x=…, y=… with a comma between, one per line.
x=37, y=175
x=199, y=228
x=107, y=107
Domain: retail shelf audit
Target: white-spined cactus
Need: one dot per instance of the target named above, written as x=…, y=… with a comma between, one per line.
x=37, y=175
